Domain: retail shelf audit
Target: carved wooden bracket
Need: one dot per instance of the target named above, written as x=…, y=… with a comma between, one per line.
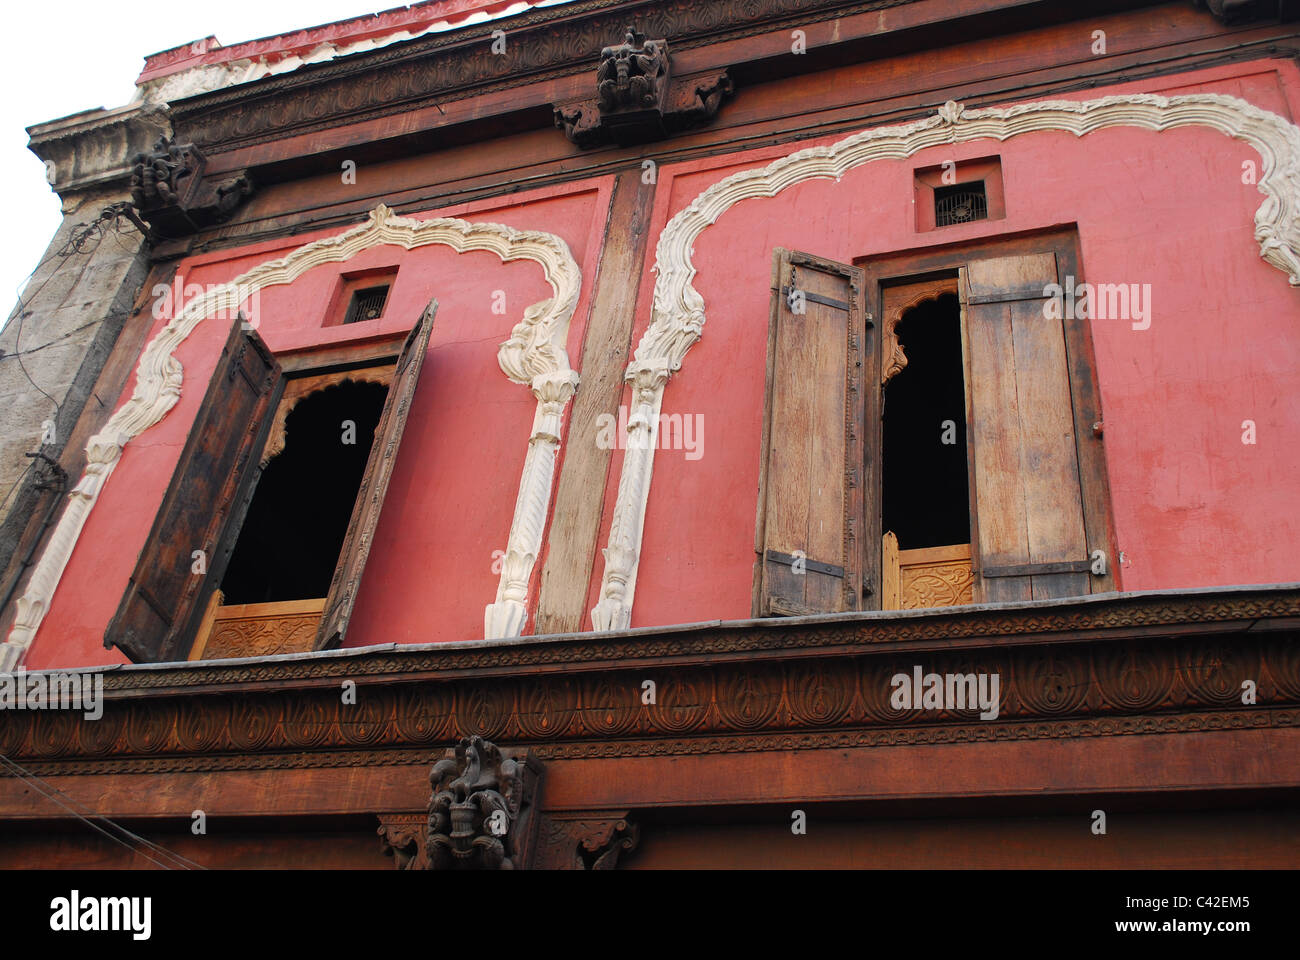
x=168, y=189
x=637, y=99
x=482, y=816
x=481, y=812
x=402, y=836
x=591, y=840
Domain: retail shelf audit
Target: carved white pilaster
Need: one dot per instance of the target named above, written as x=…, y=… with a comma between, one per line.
x=614, y=609
x=506, y=617
x=677, y=312
x=534, y=354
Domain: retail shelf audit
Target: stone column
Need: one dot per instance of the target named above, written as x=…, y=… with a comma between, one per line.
x=56, y=341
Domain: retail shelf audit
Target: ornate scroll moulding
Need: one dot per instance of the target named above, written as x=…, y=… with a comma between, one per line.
x=677, y=313
x=534, y=356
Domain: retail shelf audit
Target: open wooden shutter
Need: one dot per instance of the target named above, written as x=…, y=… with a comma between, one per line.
x=374, y=484
x=811, y=484
x=165, y=597
x=1027, y=496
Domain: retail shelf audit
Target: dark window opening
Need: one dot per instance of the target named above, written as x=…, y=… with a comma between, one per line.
x=960, y=203
x=293, y=532
x=367, y=304
x=924, y=479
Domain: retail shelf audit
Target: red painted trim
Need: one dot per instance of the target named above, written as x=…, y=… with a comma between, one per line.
x=413, y=19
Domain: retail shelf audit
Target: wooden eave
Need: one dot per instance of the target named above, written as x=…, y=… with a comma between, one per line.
x=292, y=124
x=198, y=715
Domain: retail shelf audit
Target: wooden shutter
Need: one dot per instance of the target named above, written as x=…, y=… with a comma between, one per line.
x=165, y=598
x=1028, y=504
x=374, y=484
x=811, y=485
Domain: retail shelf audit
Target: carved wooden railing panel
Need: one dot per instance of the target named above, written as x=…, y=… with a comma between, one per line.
x=929, y=577
x=257, y=629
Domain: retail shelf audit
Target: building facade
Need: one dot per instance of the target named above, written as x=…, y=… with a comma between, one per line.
x=647, y=433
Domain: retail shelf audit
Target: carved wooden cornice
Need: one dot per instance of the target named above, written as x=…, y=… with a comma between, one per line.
x=1108, y=666
x=1156, y=613
x=697, y=744
x=543, y=43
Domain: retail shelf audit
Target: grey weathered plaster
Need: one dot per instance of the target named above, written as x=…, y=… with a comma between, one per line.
x=68, y=318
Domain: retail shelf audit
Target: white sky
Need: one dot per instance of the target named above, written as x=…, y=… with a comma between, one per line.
x=65, y=56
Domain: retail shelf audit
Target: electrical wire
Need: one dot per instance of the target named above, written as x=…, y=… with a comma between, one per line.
x=140, y=844
x=78, y=242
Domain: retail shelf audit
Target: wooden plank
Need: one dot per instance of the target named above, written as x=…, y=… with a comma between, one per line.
x=1026, y=466
x=812, y=467
x=345, y=356
x=1038, y=569
x=889, y=564
x=274, y=608
x=875, y=357
x=205, y=626
x=779, y=263
x=790, y=452
x=346, y=582
x=571, y=546
x=1049, y=467
x=935, y=583
x=1098, y=520
x=956, y=551
x=829, y=500
x=165, y=599
x=978, y=594
x=995, y=447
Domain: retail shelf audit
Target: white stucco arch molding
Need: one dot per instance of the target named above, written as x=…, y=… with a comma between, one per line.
x=677, y=317
x=534, y=355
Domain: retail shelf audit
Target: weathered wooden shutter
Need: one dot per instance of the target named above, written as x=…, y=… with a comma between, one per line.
x=165, y=597
x=374, y=484
x=1027, y=493
x=811, y=485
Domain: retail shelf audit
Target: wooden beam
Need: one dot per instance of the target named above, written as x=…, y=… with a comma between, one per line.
x=571, y=545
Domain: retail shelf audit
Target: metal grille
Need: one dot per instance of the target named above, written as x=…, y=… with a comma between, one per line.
x=960, y=203
x=367, y=304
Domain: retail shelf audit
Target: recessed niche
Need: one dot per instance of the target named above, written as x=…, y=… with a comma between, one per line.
x=956, y=193
x=361, y=297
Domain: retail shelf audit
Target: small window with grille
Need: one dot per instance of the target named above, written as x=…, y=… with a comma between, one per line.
x=367, y=304
x=960, y=203
x=958, y=192
x=360, y=296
